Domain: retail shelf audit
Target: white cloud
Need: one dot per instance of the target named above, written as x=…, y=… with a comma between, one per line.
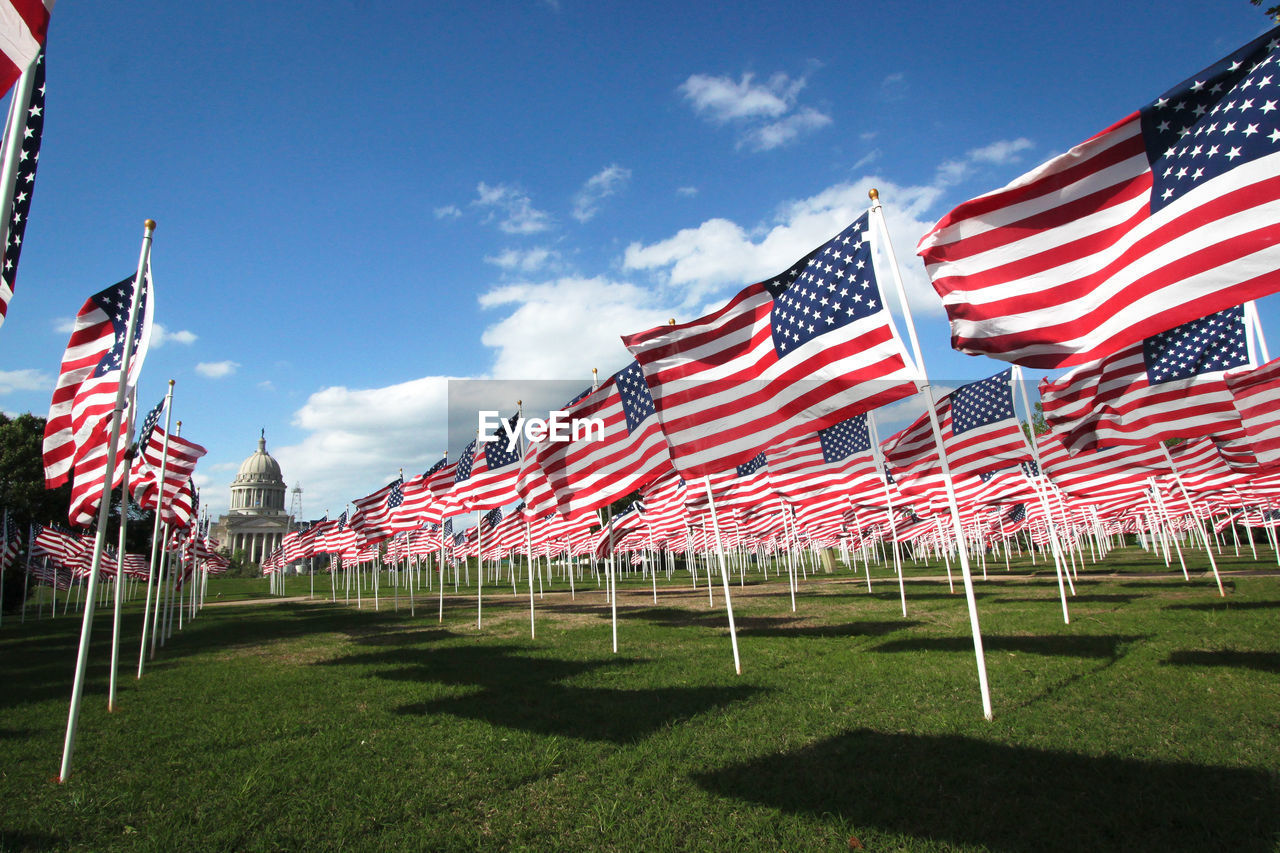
x=511, y=208
x=266, y=385
x=64, y=325
x=532, y=341
x=688, y=192
x=699, y=262
x=24, y=380
x=359, y=438
x=999, y=153
x=529, y=261
x=609, y=181
x=449, y=211
x=779, y=133
x=765, y=109
x=161, y=336
x=893, y=87
x=216, y=369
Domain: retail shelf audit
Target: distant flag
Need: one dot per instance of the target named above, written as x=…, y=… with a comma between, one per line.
x=601, y=466
x=24, y=24
x=415, y=497
x=825, y=464
x=1165, y=216
x=979, y=433
x=785, y=357
x=487, y=473
x=178, y=456
x=21, y=157
x=372, y=518
x=1168, y=386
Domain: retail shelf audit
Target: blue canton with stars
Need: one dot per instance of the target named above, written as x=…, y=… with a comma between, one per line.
x=845, y=439
x=1212, y=343
x=149, y=424
x=982, y=403
x=637, y=402
x=825, y=290
x=436, y=467
x=752, y=465
x=495, y=452
x=463, y=471
x=24, y=181
x=114, y=303
x=1225, y=116
x=396, y=498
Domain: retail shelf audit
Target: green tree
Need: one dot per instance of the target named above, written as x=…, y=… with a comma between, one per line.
x=22, y=490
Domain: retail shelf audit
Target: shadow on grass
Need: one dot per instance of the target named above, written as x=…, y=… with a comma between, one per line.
x=1264, y=661
x=961, y=791
x=20, y=840
x=863, y=628
x=1176, y=582
x=1105, y=646
x=526, y=692
x=38, y=665
x=1226, y=605
x=1087, y=598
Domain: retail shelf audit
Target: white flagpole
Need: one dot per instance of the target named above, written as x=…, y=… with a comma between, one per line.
x=724, y=576
x=878, y=459
x=119, y=584
x=1204, y=537
x=931, y=410
x=113, y=439
x=1251, y=313
x=1034, y=444
x=155, y=531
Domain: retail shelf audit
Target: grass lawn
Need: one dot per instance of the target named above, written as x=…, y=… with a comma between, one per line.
x=1151, y=722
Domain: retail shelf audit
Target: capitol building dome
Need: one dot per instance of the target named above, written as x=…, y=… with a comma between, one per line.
x=259, y=486
x=256, y=523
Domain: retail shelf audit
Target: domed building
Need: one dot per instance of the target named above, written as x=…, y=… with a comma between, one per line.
x=257, y=520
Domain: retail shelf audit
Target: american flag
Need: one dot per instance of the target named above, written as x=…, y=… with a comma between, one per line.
x=800, y=352
x=372, y=518
x=824, y=465
x=487, y=473
x=1168, y=386
x=1168, y=214
x=593, y=471
x=27, y=156
x=532, y=485
x=980, y=432
x=77, y=431
x=1256, y=397
x=1100, y=475
x=23, y=27
x=415, y=499
x=179, y=459
x=336, y=536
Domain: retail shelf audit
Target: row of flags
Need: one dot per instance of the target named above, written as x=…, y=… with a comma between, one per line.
x=1103, y=259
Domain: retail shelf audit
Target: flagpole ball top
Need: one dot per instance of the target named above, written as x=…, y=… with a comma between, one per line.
x=873, y=194
x=149, y=224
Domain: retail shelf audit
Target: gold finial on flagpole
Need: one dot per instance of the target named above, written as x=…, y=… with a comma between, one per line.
x=149, y=224
x=671, y=322
x=873, y=194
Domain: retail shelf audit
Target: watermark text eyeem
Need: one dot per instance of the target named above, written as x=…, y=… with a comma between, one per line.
x=556, y=427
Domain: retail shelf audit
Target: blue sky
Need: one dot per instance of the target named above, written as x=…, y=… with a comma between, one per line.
x=358, y=201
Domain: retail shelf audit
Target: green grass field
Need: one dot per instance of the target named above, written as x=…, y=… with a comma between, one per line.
x=1151, y=722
